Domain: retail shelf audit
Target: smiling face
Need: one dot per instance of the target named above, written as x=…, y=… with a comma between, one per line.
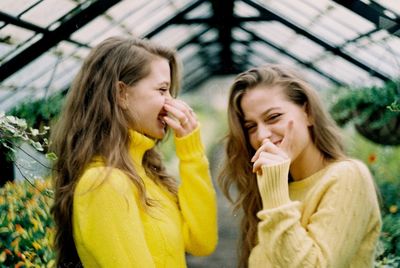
x=145, y=100
x=267, y=112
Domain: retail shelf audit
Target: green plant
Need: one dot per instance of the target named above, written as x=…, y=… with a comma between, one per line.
x=14, y=130
x=383, y=164
x=394, y=106
x=373, y=110
x=26, y=227
x=39, y=113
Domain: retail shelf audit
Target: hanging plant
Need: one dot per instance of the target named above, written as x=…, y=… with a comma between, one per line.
x=374, y=111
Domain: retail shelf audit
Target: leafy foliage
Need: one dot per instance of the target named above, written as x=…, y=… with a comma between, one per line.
x=14, y=130
x=360, y=104
x=26, y=227
x=383, y=163
x=39, y=113
x=374, y=112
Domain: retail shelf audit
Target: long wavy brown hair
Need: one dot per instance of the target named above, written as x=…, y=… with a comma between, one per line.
x=93, y=124
x=237, y=168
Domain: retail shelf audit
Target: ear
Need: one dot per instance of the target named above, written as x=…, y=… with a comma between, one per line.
x=122, y=95
x=309, y=118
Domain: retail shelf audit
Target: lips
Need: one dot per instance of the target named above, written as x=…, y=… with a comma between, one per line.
x=277, y=143
x=161, y=116
x=162, y=122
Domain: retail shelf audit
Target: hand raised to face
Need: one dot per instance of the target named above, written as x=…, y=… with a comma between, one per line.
x=180, y=118
x=271, y=154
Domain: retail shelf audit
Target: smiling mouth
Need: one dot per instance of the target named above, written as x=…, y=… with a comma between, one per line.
x=161, y=116
x=162, y=121
x=277, y=143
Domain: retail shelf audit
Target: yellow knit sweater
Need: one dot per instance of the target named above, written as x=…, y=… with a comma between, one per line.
x=111, y=228
x=330, y=219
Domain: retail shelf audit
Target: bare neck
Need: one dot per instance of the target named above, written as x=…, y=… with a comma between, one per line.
x=307, y=163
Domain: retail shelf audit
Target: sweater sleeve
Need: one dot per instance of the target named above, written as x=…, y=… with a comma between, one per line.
x=334, y=232
x=197, y=198
x=107, y=226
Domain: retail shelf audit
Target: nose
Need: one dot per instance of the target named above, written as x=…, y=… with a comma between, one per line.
x=263, y=132
x=168, y=95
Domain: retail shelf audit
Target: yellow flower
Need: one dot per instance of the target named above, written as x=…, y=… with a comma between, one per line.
x=36, y=245
x=15, y=244
x=3, y=257
x=393, y=209
x=51, y=264
x=35, y=224
x=19, y=229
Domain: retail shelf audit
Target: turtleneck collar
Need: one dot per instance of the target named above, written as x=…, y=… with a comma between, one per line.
x=139, y=145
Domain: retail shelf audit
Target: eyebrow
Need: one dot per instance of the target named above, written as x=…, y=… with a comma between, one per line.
x=263, y=114
x=165, y=83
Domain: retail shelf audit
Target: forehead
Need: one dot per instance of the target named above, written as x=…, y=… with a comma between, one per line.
x=262, y=94
x=160, y=69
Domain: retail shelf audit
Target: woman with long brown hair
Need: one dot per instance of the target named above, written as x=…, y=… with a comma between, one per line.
x=115, y=204
x=304, y=202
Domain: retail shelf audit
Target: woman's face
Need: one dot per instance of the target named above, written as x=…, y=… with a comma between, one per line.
x=145, y=100
x=267, y=112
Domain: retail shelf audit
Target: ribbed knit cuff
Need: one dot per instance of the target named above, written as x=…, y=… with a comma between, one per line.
x=273, y=185
x=189, y=146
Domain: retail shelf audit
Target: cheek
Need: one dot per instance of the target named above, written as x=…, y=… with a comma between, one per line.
x=253, y=141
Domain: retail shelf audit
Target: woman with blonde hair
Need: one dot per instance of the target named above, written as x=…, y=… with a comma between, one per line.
x=305, y=203
x=115, y=204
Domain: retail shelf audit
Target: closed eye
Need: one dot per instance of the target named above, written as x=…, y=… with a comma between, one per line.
x=250, y=128
x=163, y=90
x=274, y=117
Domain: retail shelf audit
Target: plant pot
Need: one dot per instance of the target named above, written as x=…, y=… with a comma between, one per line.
x=387, y=134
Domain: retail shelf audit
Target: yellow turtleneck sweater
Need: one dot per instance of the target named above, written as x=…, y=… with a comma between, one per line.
x=111, y=228
x=330, y=219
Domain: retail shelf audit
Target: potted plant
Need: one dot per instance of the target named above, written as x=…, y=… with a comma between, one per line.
x=374, y=112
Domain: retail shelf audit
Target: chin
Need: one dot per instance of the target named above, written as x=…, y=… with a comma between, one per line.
x=158, y=135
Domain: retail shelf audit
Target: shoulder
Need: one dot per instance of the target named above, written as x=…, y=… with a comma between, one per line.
x=98, y=177
x=350, y=172
x=349, y=166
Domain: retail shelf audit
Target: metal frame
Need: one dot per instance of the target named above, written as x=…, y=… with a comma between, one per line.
x=223, y=20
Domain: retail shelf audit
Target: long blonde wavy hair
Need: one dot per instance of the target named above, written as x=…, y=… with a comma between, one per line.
x=93, y=124
x=237, y=168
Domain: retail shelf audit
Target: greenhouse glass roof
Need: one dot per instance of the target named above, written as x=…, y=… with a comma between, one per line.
x=352, y=43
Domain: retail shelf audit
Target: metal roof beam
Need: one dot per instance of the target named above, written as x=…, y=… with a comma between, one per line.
x=71, y=24
x=223, y=16
x=177, y=19
x=309, y=65
x=8, y=19
x=374, y=13
x=335, y=50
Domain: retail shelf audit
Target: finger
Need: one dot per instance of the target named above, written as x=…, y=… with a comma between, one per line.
x=175, y=125
x=180, y=105
x=176, y=113
x=268, y=146
x=267, y=159
x=181, y=112
x=288, y=138
x=262, y=148
x=184, y=104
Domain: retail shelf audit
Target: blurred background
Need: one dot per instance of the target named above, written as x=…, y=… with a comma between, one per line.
x=347, y=49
